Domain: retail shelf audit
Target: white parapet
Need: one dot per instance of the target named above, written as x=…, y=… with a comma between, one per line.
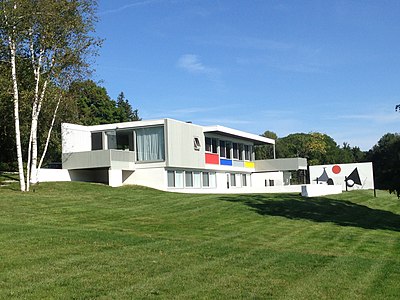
x=51, y=175
x=315, y=190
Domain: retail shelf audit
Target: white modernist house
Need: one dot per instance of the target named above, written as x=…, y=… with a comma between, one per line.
x=171, y=155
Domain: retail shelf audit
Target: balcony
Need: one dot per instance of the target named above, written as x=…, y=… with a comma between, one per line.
x=115, y=159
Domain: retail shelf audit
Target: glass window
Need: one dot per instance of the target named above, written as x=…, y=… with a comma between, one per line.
x=241, y=151
x=271, y=182
x=97, y=140
x=213, y=180
x=222, y=149
x=179, y=179
x=235, y=151
x=214, y=143
x=196, y=143
x=244, y=180
x=125, y=140
x=196, y=179
x=228, y=149
x=111, y=139
x=171, y=178
x=150, y=144
x=206, y=179
x=233, y=180
x=188, y=179
x=208, y=144
x=246, y=152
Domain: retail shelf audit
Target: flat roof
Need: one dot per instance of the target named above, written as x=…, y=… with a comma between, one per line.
x=217, y=129
x=226, y=131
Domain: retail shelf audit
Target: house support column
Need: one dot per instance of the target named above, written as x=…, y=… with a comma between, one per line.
x=114, y=178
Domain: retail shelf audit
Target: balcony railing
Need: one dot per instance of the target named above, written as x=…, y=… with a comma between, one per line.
x=118, y=159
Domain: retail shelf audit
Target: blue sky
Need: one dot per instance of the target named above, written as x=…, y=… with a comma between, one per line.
x=285, y=66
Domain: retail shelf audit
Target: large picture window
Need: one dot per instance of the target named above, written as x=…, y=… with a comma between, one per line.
x=150, y=144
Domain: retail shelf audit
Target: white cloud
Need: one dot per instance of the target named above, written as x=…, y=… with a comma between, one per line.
x=376, y=117
x=192, y=64
x=127, y=6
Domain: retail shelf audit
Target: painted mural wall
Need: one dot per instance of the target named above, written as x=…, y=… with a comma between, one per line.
x=355, y=176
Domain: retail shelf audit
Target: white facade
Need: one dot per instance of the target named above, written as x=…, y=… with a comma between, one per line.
x=172, y=155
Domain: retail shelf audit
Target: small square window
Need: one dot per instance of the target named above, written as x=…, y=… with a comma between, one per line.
x=196, y=144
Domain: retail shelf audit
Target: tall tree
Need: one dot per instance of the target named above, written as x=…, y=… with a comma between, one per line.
x=56, y=37
x=266, y=151
x=94, y=106
x=385, y=156
x=125, y=112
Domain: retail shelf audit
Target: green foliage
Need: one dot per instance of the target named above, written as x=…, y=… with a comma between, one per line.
x=88, y=241
x=385, y=156
x=94, y=106
x=266, y=151
x=317, y=147
x=124, y=110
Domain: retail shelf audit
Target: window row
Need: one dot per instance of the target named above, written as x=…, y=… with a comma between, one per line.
x=238, y=180
x=147, y=142
x=191, y=179
x=229, y=150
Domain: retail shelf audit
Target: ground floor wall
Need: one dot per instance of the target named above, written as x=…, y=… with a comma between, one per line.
x=179, y=180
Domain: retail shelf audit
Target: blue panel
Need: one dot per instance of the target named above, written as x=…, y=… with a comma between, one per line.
x=225, y=162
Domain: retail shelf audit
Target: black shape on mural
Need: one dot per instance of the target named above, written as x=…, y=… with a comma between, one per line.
x=325, y=178
x=353, y=178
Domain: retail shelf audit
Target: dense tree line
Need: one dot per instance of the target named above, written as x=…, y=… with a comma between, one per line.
x=85, y=102
x=317, y=147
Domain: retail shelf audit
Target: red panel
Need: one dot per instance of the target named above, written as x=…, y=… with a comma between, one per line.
x=212, y=158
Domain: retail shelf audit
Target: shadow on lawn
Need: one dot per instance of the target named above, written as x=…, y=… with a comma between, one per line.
x=344, y=213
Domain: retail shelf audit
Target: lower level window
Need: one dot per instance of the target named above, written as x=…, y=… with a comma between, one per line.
x=233, y=179
x=188, y=179
x=244, y=180
x=171, y=178
x=191, y=179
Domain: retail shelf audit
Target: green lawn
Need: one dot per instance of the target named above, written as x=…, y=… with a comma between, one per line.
x=85, y=241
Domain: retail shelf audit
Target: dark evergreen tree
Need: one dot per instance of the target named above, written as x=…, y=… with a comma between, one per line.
x=125, y=112
x=385, y=156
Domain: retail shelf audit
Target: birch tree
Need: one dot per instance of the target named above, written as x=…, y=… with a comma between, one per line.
x=57, y=38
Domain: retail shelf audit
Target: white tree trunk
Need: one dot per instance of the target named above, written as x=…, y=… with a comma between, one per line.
x=16, y=114
x=49, y=133
x=34, y=130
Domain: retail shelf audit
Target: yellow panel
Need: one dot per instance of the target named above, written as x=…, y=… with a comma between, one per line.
x=249, y=164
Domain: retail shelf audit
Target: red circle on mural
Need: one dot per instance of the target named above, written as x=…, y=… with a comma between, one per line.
x=336, y=169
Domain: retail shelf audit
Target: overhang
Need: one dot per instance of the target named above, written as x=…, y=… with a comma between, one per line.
x=229, y=132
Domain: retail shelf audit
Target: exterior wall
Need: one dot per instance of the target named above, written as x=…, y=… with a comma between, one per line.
x=151, y=177
x=258, y=179
x=52, y=175
x=338, y=172
x=75, y=138
x=281, y=164
x=180, y=147
x=99, y=175
x=315, y=190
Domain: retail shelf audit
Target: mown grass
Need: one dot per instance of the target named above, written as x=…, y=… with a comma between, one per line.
x=85, y=241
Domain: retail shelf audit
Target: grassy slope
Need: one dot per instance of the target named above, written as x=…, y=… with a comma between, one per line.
x=77, y=240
